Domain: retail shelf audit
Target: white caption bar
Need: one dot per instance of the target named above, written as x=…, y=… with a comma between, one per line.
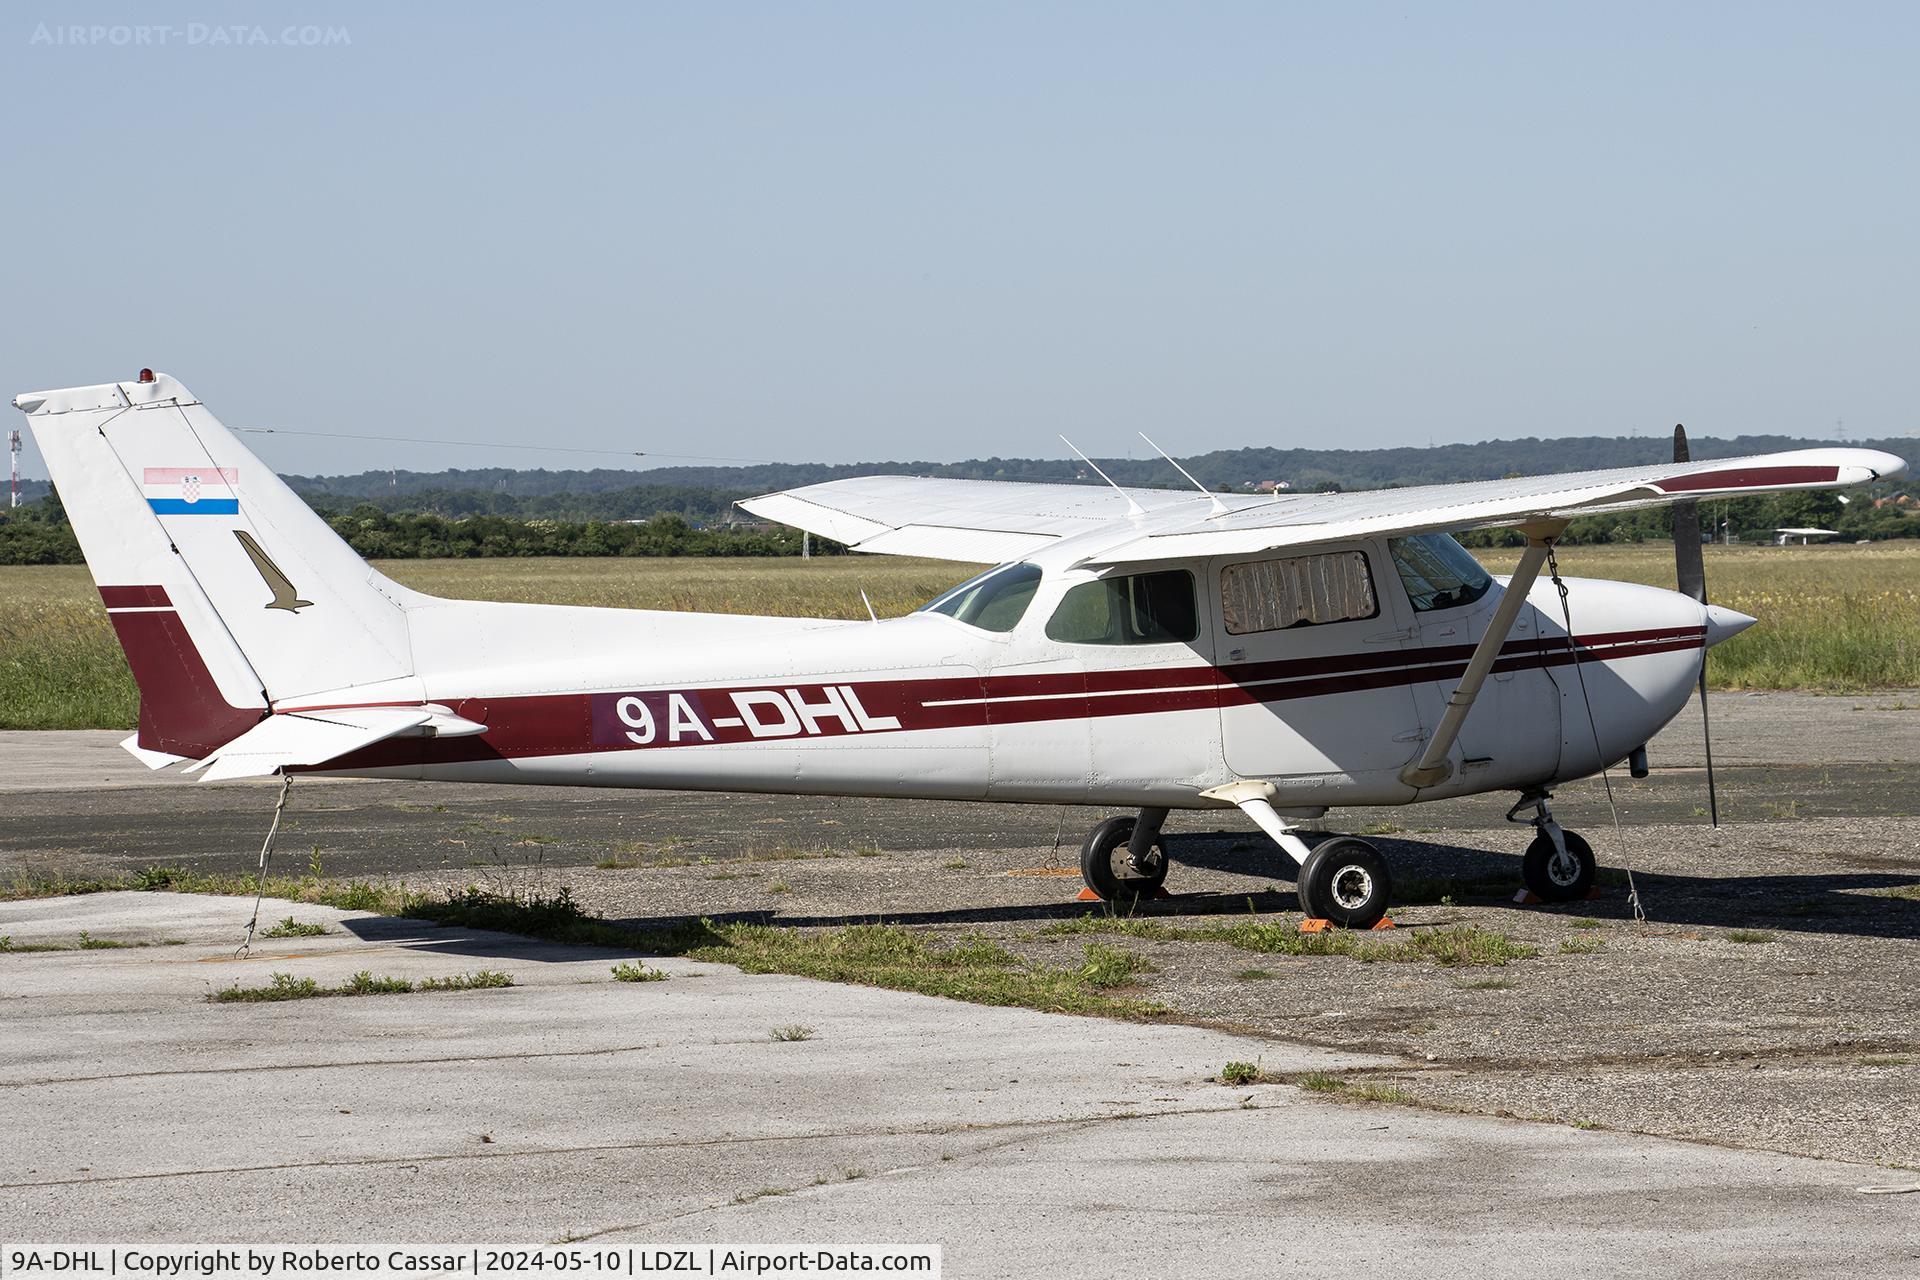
x=470, y=1262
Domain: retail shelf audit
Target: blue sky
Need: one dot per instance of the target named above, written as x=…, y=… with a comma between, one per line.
x=853, y=231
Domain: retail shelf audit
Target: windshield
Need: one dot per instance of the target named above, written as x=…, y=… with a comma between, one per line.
x=1439, y=572
x=994, y=601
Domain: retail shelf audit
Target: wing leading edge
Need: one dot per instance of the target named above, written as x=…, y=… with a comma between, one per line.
x=994, y=520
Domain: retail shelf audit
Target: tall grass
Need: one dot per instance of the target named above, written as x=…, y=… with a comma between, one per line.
x=1833, y=618
x=60, y=665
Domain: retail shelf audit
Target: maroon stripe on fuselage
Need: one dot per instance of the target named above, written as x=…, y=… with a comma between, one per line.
x=563, y=724
x=134, y=597
x=1748, y=478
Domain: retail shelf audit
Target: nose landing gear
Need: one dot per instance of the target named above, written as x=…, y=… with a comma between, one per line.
x=1559, y=864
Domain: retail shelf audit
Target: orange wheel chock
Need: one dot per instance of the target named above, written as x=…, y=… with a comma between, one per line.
x=1088, y=895
x=1384, y=922
x=1313, y=924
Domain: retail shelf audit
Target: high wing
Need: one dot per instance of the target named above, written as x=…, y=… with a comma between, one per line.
x=983, y=521
x=992, y=520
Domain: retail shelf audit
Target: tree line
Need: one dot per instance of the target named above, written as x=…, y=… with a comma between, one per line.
x=38, y=532
x=704, y=493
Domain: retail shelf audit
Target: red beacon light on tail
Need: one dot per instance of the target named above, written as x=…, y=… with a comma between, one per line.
x=146, y=375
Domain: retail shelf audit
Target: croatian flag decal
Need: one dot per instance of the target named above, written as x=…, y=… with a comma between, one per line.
x=191, y=491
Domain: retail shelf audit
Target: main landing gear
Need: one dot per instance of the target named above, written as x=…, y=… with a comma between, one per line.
x=1559, y=865
x=1123, y=859
x=1344, y=880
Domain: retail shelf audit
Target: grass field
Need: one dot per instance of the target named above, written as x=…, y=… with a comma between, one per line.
x=1838, y=618
x=1835, y=618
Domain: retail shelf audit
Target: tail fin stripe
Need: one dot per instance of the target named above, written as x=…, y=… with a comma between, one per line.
x=134, y=597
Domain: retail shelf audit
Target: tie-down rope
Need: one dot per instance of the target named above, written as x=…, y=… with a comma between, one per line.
x=1619, y=833
x=266, y=851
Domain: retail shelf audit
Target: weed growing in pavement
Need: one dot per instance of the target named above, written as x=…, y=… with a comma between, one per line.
x=1332, y=1086
x=291, y=928
x=627, y=971
x=791, y=1033
x=285, y=986
x=1110, y=966
x=1242, y=1073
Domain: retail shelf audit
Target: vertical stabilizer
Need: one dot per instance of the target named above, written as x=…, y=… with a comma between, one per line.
x=227, y=592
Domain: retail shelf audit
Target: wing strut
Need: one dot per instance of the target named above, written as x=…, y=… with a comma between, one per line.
x=1432, y=767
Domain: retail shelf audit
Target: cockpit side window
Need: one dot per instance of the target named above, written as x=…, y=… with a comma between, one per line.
x=1140, y=608
x=994, y=601
x=1438, y=572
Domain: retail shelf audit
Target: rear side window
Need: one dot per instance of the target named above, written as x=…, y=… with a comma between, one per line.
x=1140, y=608
x=994, y=601
x=1272, y=595
x=1439, y=573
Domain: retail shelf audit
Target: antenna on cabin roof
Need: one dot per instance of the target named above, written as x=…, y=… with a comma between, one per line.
x=1219, y=507
x=1133, y=508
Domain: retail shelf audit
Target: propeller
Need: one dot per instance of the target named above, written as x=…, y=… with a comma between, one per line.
x=1690, y=568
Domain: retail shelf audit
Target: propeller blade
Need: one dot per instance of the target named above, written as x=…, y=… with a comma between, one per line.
x=1690, y=572
x=1689, y=563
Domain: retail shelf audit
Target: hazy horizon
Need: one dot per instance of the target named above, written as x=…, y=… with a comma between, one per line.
x=858, y=232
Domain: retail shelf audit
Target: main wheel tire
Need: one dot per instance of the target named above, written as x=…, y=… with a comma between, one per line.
x=1107, y=865
x=1552, y=878
x=1346, y=881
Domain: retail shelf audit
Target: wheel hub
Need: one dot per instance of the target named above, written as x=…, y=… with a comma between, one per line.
x=1563, y=868
x=1352, y=887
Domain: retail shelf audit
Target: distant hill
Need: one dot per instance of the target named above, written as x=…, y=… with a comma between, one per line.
x=688, y=510
x=705, y=493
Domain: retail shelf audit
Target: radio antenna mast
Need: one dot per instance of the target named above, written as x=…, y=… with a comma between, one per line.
x=13, y=448
x=1133, y=508
x=1219, y=507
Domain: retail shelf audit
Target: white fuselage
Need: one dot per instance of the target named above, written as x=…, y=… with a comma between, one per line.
x=929, y=706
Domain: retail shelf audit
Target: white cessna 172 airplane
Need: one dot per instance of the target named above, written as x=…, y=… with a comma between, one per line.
x=1139, y=648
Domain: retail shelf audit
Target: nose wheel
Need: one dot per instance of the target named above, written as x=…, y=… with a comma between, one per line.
x=1123, y=859
x=1559, y=865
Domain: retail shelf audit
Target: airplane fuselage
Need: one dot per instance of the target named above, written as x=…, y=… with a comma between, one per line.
x=930, y=706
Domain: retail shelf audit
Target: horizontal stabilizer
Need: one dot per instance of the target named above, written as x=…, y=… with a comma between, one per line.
x=151, y=759
x=315, y=737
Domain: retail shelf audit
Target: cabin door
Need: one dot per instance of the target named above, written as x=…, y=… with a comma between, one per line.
x=1315, y=649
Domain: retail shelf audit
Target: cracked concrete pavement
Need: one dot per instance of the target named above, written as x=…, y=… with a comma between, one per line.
x=572, y=1106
